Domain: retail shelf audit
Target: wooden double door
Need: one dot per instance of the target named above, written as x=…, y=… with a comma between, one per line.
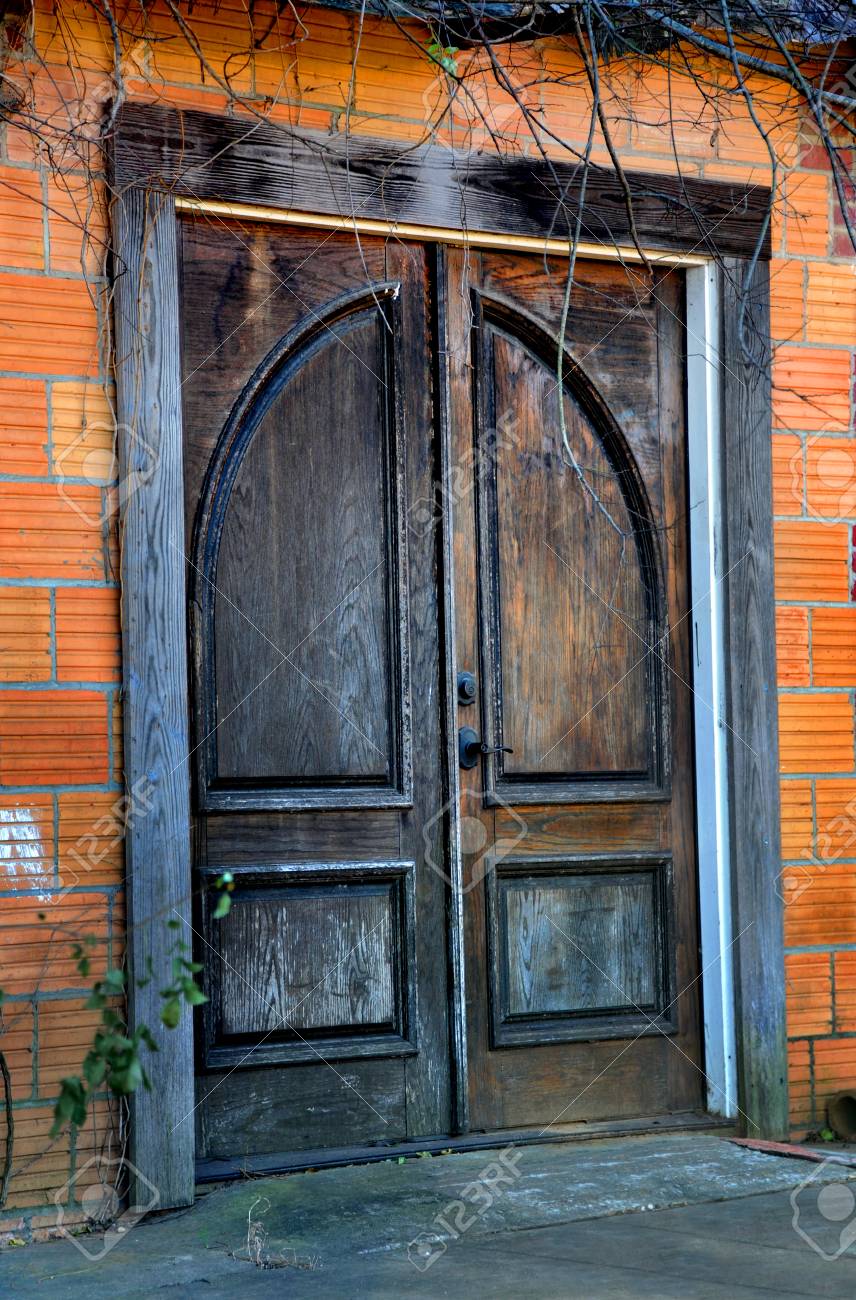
x=440, y=690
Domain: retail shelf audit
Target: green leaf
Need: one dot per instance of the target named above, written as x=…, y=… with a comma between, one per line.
x=115, y=980
x=127, y=1080
x=171, y=1013
x=146, y=1036
x=194, y=995
x=70, y=1105
x=224, y=903
x=444, y=55
x=94, y=1069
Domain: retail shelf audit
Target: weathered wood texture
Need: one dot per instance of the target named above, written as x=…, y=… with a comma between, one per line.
x=155, y=683
x=580, y=948
x=338, y=633
x=286, y=490
x=207, y=157
x=449, y=717
x=752, y=705
x=323, y=603
x=612, y=918
x=335, y=945
x=558, y=558
x=571, y=628
x=313, y=961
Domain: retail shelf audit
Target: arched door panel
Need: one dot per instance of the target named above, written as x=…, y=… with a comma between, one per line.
x=300, y=570
x=570, y=582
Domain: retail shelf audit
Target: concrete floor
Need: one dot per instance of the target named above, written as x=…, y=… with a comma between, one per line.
x=686, y=1216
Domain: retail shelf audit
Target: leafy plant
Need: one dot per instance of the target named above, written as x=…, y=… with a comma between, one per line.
x=444, y=55
x=114, y=1061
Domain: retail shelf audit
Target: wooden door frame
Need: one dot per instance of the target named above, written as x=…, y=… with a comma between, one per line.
x=163, y=158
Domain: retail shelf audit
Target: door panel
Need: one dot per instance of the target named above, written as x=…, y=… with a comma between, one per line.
x=331, y=946
x=580, y=929
x=309, y=437
x=546, y=916
x=334, y=730
x=564, y=539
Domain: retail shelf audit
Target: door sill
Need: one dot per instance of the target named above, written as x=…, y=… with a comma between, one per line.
x=222, y=1170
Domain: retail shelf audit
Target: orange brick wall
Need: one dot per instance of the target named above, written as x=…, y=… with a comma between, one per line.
x=60, y=747
x=815, y=506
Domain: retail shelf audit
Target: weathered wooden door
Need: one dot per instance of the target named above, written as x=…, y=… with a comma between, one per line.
x=572, y=614
x=316, y=678
x=325, y=385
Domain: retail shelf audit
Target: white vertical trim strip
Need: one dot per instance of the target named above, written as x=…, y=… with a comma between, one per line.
x=708, y=631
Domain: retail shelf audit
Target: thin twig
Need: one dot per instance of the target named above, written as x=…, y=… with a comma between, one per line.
x=10, y=1129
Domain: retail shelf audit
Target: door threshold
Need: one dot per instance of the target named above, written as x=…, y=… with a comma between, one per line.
x=222, y=1170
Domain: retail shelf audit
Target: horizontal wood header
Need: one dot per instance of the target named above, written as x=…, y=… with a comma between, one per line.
x=206, y=157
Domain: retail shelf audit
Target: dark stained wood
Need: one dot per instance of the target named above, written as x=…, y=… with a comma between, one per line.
x=308, y=433
x=293, y=837
x=568, y=685
x=539, y=1063
x=679, y=833
x=446, y=526
x=752, y=706
x=210, y=157
x=285, y=490
x=312, y=1104
x=424, y=825
x=328, y=722
x=580, y=948
x=612, y=922
x=276, y=948
x=252, y=270
x=157, y=842
x=312, y=960
x=580, y=829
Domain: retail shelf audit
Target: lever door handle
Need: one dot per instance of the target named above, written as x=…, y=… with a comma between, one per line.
x=470, y=748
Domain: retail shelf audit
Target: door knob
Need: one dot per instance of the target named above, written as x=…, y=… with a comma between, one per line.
x=470, y=748
x=466, y=688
